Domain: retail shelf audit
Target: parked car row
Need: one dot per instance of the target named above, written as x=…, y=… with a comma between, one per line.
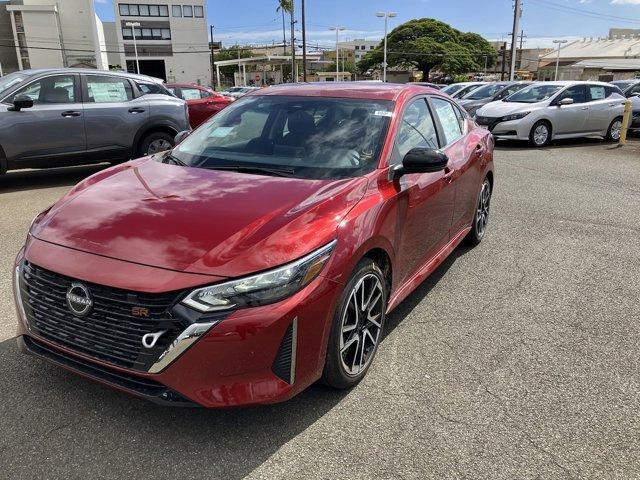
x=543, y=111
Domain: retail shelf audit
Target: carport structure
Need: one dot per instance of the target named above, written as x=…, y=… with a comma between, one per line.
x=261, y=63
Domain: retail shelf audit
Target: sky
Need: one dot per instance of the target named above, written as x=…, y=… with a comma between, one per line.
x=257, y=22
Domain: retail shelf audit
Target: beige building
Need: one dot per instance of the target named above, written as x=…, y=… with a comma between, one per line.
x=172, y=39
x=51, y=33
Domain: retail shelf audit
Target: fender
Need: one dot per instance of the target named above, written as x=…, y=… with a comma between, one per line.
x=156, y=124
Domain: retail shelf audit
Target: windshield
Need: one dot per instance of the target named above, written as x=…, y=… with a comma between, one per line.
x=304, y=137
x=485, y=91
x=11, y=80
x=453, y=88
x=534, y=94
x=623, y=84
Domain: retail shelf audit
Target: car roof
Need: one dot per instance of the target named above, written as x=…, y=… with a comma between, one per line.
x=373, y=91
x=90, y=71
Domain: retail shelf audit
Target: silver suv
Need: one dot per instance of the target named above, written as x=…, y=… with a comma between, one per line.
x=57, y=117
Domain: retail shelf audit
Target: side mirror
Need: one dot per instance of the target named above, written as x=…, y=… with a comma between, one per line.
x=421, y=160
x=565, y=101
x=20, y=102
x=181, y=136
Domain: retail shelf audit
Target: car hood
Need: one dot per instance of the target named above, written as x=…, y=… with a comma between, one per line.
x=500, y=108
x=469, y=103
x=200, y=221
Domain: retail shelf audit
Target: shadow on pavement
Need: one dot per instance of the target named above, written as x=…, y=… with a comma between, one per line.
x=514, y=145
x=18, y=180
x=56, y=424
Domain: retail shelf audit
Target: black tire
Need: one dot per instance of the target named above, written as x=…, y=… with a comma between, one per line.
x=613, y=133
x=154, y=137
x=539, y=141
x=335, y=372
x=481, y=215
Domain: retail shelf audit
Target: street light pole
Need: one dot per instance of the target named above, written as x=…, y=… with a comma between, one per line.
x=133, y=26
x=559, y=42
x=338, y=30
x=386, y=16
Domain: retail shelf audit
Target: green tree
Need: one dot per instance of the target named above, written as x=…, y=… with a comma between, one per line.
x=426, y=44
x=284, y=6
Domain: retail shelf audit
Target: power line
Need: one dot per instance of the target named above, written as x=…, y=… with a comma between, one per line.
x=583, y=12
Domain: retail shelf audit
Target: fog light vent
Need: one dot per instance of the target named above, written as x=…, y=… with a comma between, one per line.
x=284, y=365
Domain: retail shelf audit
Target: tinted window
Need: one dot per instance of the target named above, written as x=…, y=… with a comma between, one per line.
x=11, y=80
x=50, y=90
x=416, y=130
x=448, y=119
x=102, y=89
x=634, y=89
x=147, y=88
x=485, y=91
x=578, y=93
x=309, y=137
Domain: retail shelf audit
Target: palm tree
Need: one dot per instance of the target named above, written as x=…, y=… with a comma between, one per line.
x=284, y=6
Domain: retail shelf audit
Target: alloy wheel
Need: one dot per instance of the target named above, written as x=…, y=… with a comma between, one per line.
x=616, y=130
x=482, y=212
x=361, y=324
x=159, y=145
x=541, y=134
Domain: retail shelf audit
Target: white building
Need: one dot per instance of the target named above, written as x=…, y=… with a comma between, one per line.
x=359, y=46
x=172, y=39
x=51, y=33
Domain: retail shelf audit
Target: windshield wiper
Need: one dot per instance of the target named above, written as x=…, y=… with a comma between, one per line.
x=175, y=160
x=277, y=172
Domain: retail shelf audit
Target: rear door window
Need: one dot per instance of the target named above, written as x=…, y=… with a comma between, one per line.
x=596, y=92
x=105, y=89
x=191, y=93
x=448, y=119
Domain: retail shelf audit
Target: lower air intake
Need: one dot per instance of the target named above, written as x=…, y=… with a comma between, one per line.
x=284, y=366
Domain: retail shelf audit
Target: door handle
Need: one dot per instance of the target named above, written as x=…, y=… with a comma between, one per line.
x=584, y=108
x=136, y=110
x=71, y=113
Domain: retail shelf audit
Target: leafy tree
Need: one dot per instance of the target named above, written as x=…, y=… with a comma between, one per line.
x=284, y=6
x=426, y=44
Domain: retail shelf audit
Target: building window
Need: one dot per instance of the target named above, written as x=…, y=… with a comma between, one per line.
x=198, y=11
x=176, y=10
x=143, y=10
x=187, y=10
x=147, y=34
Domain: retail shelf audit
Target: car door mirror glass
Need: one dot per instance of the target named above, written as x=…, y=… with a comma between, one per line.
x=424, y=160
x=181, y=136
x=20, y=102
x=566, y=101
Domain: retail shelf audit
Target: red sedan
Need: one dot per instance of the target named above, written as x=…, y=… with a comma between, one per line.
x=203, y=102
x=262, y=253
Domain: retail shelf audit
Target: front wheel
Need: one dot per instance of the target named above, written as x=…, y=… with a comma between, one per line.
x=540, y=135
x=481, y=217
x=615, y=130
x=155, y=142
x=357, y=327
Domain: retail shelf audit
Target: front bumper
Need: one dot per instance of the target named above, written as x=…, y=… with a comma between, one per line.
x=239, y=361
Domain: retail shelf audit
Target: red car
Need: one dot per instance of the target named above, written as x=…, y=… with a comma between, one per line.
x=203, y=102
x=260, y=254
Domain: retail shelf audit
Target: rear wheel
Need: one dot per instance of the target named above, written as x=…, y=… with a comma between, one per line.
x=615, y=130
x=357, y=326
x=481, y=217
x=155, y=142
x=540, y=135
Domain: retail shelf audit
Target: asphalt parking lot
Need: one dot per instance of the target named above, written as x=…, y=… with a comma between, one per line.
x=518, y=359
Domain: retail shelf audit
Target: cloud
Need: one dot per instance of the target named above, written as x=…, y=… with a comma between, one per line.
x=625, y=2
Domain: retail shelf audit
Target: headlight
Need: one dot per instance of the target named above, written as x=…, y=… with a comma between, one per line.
x=515, y=116
x=263, y=288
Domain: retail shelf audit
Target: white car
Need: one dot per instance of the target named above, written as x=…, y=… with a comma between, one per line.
x=237, y=92
x=546, y=111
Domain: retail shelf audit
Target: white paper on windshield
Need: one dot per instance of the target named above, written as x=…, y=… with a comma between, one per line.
x=107, y=92
x=221, y=132
x=382, y=113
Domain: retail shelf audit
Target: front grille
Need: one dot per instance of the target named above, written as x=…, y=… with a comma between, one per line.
x=489, y=122
x=109, y=332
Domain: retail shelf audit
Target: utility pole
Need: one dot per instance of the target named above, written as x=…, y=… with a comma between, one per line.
x=304, y=47
x=213, y=61
x=559, y=43
x=293, y=43
x=504, y=60
x=517, y=12
x=284, y=37
x=521, y=42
